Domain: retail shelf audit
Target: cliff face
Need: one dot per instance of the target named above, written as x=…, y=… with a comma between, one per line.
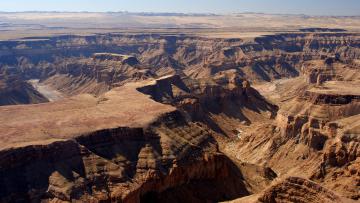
x=323, y=132
x=95, y=64
x=153, y=160
x=210, y=100
x=94, y=75
x=123, y=164
x=315, y=130
x=184, y=135
x=14, y=90
x=295, y=189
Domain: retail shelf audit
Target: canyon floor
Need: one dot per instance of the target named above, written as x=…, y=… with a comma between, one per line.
x=179, y=108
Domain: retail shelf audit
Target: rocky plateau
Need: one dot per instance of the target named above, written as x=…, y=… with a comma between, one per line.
x=159, y=117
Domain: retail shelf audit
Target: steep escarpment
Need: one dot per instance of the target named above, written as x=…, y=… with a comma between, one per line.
x=211, y=100
x=95, y=64
x=101, y=166
x=14, y=90
x=315, y=130
x=69, y=171
x=299, y=190
x=83, y=158
x=294, y=189
x=166, y=117
x=94, y=75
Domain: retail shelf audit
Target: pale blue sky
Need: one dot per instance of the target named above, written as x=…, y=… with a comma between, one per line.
x=312, y=7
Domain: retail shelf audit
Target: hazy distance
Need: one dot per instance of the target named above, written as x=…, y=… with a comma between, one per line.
x=308, y=7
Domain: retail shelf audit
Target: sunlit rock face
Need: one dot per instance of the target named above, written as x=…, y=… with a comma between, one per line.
x=180, y=118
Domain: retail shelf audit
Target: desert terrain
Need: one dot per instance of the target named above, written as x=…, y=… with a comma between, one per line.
x=171, y=107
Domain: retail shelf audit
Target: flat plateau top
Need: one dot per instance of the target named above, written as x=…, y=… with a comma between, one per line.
x=23, y=125
x=241, y=25
x=338, y=88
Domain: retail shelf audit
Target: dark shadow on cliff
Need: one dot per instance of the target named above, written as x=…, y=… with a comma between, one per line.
x=120, y=146
x=30, y=168
x=227, y=184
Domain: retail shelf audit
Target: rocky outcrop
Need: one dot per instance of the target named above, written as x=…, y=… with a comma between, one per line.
x=318, y=29
x=314, y=132
x=295, y=189
x=125, y=59
x=15, y=90
x=123, y=164
x=95, y=64
x=329, y=99
x=203, y=98
x=156, y=158
x=186, y=133
x=95, y=75
x=340, y=159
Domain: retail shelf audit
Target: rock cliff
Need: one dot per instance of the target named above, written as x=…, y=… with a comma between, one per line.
x=155, y=158
x=180, y=118
x=95, y=64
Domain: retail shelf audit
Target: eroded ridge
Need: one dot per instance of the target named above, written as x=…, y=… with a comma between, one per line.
x=89, y=159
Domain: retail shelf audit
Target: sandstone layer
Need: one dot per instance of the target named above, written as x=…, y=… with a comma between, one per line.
x=181, y=118
x=121, y=146
x=95, y=64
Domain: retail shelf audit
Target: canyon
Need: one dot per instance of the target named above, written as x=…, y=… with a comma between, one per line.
x=181, y=117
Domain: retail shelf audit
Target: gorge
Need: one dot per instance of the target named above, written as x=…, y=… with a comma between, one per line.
x=162, y=117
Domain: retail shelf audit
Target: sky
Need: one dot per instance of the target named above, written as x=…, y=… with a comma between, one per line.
x=310, y=7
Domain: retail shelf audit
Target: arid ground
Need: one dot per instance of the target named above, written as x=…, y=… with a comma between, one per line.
x=165, y=107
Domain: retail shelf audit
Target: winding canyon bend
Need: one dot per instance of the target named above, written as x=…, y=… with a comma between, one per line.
x=179, y=116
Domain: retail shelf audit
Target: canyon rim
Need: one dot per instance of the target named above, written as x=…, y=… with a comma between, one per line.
x=179, y=107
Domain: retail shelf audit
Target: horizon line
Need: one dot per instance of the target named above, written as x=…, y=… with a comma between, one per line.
x=179, y=13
